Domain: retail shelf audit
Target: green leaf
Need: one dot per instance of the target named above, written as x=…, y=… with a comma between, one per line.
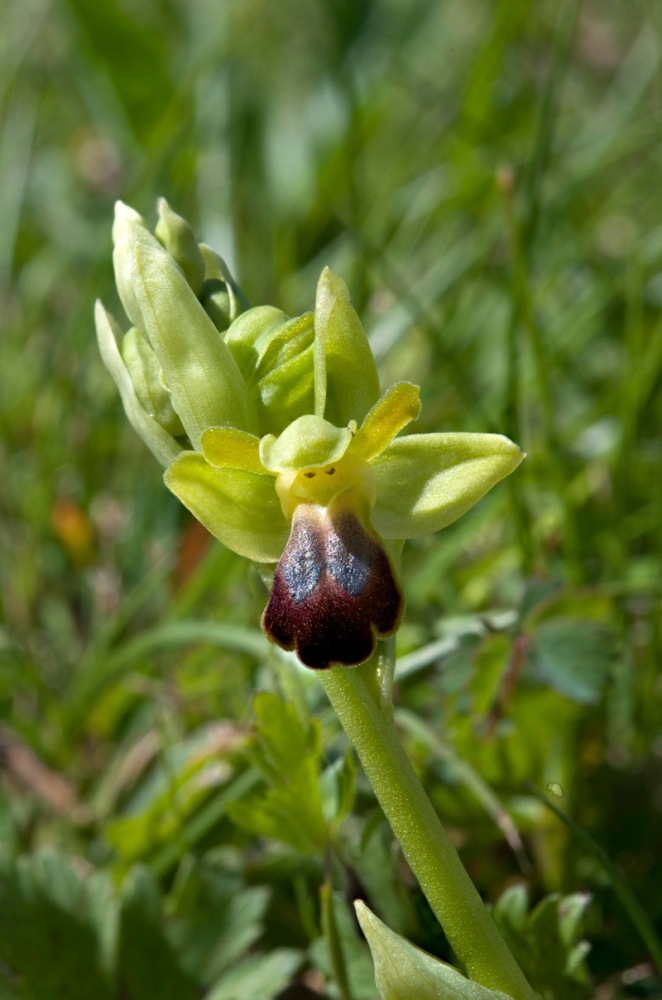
x=146, y=963
x=338, y=785
x=346, y=380
x=404, y=972
x=217, y=920
x=573, y=656
x=342, y=952
x=263, y=976
x=287, y=754
x=56, y=929
x=239, y=508
x=427, y=481
x=546, y=941
x=375, y=858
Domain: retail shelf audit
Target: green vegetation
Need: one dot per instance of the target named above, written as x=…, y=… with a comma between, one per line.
x=485, y=177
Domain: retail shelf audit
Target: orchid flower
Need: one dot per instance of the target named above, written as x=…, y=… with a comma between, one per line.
x=275, y=436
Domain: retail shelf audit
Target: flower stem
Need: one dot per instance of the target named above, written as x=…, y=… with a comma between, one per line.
x=450, y=892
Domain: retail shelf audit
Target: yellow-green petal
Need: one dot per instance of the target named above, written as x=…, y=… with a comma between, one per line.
x=426, y=481
x=397, y=407
x=308, y=443
x=229, y=448
x=239, y=508
x=346, y=381
x=162, y=445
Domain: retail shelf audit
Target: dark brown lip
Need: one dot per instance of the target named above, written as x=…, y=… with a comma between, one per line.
x=334, y=592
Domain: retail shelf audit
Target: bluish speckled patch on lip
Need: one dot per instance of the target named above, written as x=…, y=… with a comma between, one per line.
x=301, y=575
x=334, y=590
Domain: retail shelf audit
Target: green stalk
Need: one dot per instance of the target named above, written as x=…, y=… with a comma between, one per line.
x=450, y=892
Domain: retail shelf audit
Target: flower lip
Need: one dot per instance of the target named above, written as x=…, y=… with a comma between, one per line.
x=335, y=591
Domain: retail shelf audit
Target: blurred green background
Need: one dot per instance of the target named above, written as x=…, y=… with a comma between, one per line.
x=486, y=178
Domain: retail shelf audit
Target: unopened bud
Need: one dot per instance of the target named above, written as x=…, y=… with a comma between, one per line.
x=176, y=235
x=221, y=296
x=145, y=371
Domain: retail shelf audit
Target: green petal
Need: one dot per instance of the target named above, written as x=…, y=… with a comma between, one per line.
x=162, y=445
x=308, y=443
x=426, y=481
x=239, y=508
x=398, y=407
x=203, y=378
x=346, y=381
x=229, y=448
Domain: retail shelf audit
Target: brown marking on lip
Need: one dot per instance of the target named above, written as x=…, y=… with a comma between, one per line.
x=334, y=590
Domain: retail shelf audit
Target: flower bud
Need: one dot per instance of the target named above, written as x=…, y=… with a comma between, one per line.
x=205, y=383
x=143, y=366
x=127, y=227
x=275, y=356
x=221, y=296
x=162, y=444
x=176, y=235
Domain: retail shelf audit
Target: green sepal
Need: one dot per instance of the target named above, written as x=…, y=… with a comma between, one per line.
x=404, y=972
x=308, y=443
x=204, y=381
x=399, y=405
x=179, y=240
x=346, y=381
x=426, y=481
x=162, y=445
x=145, y=371
x=221, y=296
x=239, y=508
